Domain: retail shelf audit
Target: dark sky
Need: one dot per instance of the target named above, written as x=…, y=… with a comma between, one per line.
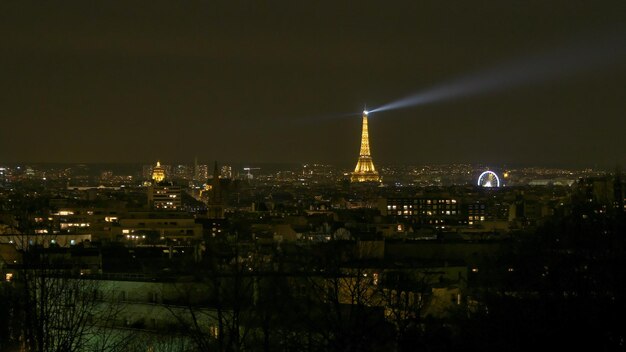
x=263, y=81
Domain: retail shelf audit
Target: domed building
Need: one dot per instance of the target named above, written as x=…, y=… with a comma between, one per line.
x=158, y=173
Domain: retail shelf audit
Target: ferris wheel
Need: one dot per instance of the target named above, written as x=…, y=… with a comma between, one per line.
x=488, y=179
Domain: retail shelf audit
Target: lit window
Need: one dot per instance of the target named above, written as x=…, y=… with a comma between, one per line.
x=8, y=276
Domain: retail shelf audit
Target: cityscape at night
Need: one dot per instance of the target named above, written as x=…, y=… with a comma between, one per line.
x=336, y=176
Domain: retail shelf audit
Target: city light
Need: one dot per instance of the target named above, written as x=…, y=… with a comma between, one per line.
x=493, y=224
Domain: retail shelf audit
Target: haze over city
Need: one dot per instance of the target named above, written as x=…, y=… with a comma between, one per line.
x=285, y=82
x=312, y=176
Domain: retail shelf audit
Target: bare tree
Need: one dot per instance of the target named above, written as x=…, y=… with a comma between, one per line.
x=105, y=333
x=346, y=312
x=218, y=303
x=60, y=308
x=405, y=294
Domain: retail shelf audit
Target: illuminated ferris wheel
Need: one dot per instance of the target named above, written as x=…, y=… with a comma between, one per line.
x=488, y=179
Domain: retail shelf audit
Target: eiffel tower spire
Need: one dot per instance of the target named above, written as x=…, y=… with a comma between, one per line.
x=364, y=170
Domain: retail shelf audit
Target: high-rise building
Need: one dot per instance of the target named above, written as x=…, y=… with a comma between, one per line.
x=226, y=172
x=364, y=170
x=203, y=173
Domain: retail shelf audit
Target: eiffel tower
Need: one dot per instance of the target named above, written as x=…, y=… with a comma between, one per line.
x=364, y=170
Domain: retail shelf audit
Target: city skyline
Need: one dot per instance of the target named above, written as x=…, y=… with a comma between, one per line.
x=285, y=83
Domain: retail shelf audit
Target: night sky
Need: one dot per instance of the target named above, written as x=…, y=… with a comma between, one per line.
x=272, y=82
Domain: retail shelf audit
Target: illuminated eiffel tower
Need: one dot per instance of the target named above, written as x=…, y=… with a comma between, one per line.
x=364, y=170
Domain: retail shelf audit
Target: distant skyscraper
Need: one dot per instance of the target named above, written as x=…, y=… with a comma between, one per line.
x=183, y=172
x=364, y=170
x=203, y=173
x=227, y=171
x=200, y=172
